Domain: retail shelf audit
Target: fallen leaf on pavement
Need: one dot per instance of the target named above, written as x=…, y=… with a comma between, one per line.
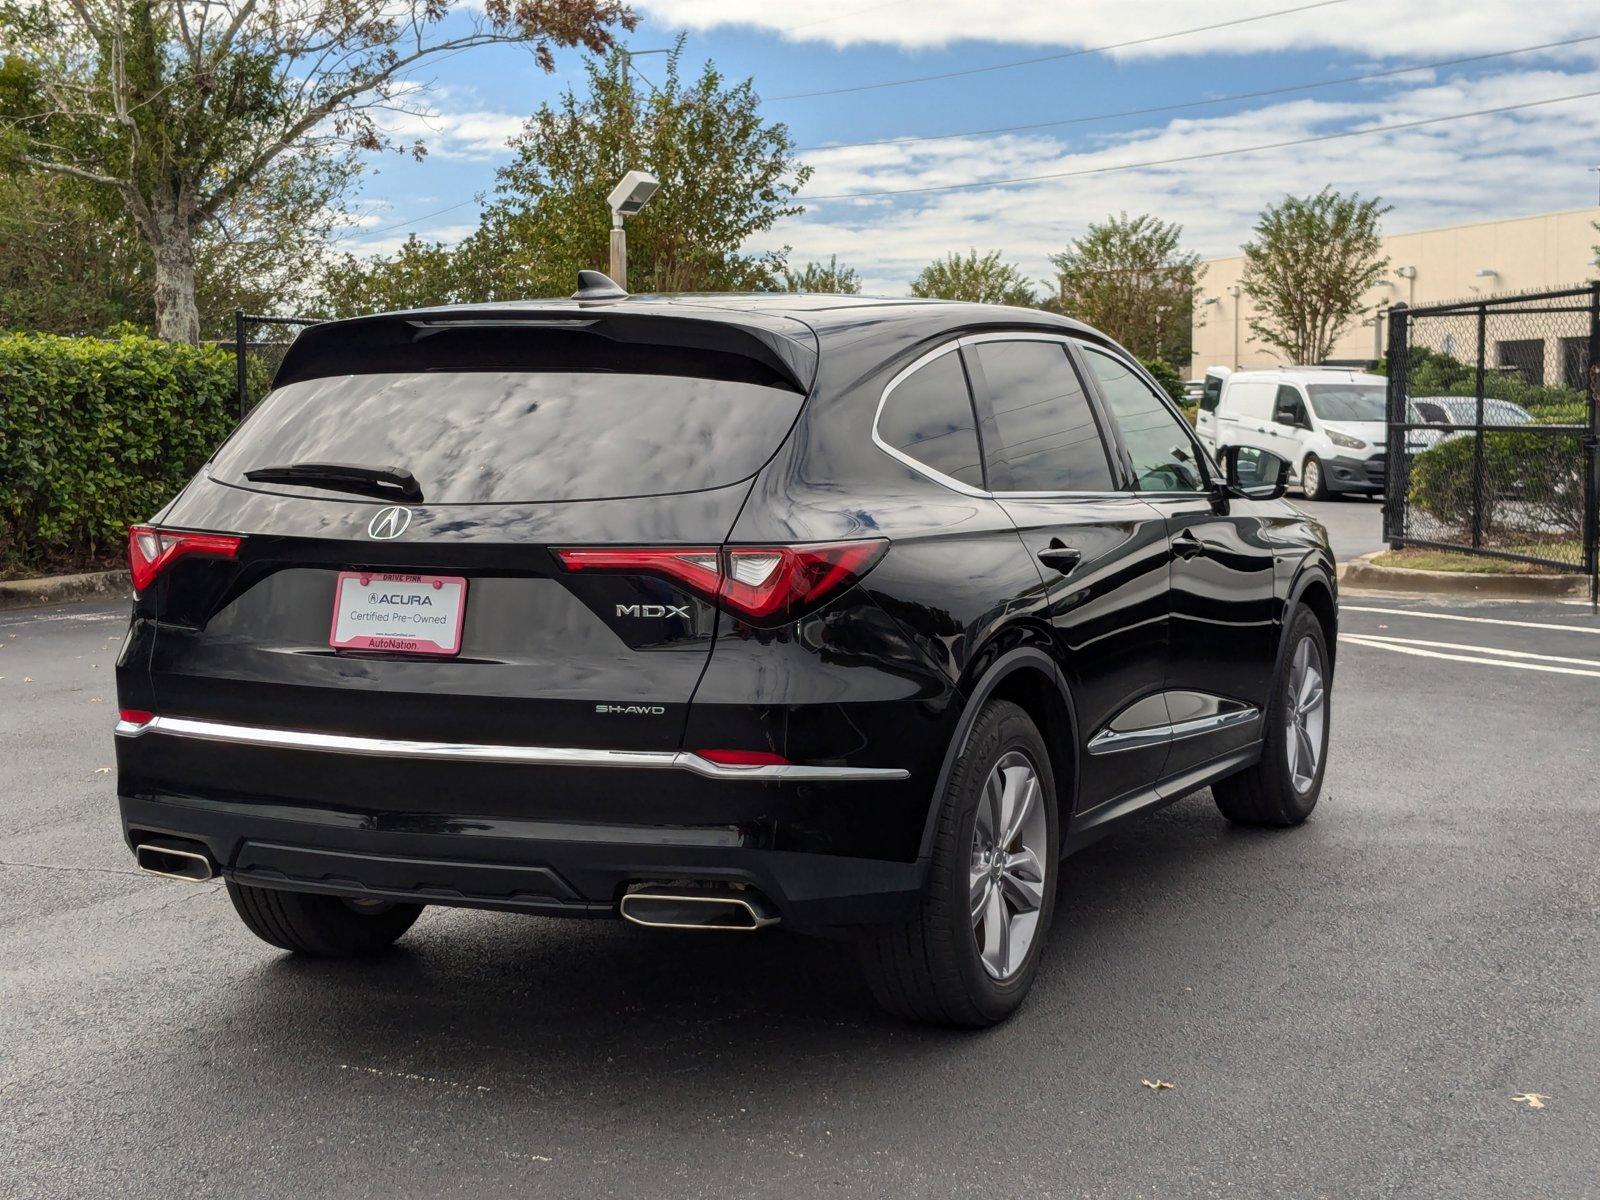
x=1531, y=1099
x=96, y=700
x=1156, y=1085
x=102, y=770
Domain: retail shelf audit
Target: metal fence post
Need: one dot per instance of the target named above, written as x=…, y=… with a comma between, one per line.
x=1477, y=433
x=240, y=381
x=1394, y=479
x=1591, y=473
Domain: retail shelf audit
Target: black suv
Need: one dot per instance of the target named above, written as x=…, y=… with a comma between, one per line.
x=713, y=612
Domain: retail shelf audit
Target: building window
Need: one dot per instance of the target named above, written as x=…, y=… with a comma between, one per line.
x=1575, y=362
x=1524, y=356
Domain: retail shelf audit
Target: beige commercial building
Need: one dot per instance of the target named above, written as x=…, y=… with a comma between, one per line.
x=1459, y=262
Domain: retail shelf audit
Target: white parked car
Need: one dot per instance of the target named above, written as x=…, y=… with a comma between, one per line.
x=1329, y=422
x=1458, y=410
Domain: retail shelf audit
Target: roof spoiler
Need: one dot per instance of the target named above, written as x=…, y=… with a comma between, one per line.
x=557, y=336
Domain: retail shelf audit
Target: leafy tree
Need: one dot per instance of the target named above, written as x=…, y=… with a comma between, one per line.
x=1163, y=373
x=1128, y=277
x=70, y=263
x=180, y=109
x=828, y=277
x=981, y=279
x=64, y=268
x=726, y=175
x=1312, y=259
x=417, y=275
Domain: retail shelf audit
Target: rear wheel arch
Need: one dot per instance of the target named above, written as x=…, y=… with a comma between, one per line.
x=1028, y=677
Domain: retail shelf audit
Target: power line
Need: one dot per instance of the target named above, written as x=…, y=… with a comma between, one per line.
x=1160, y=108
x=1027, y=62
x=366, y=233
x=1183, y=158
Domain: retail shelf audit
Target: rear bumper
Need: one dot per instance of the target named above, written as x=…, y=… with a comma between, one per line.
x=497, y=866
x=535, y=829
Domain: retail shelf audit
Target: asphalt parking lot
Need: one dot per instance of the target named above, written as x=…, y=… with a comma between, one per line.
x=1345, y=1009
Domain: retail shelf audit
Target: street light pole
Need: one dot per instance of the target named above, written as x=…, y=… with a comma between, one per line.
x=1234, y=291
x=627, y=198
x=619, y=251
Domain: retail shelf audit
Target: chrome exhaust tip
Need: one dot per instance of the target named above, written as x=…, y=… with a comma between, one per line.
x=689, y=908
x=174, y=859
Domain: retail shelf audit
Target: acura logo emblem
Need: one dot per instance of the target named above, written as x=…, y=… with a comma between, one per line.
x=390, y=522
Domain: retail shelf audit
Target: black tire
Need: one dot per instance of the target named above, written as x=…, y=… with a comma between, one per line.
x=321, y=926
x=930, y=969
x=1313, y=479
x=1267, y=794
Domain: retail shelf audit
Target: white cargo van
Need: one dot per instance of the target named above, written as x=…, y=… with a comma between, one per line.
x=1329, y=422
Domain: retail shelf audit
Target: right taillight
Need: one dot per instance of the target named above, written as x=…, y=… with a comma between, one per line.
x=764, y=585
x=151, y=551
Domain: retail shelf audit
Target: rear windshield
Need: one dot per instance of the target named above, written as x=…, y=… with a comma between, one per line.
x=474, y=437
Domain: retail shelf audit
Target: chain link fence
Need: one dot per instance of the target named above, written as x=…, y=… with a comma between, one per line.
x=259, y=344
x=1492, y=428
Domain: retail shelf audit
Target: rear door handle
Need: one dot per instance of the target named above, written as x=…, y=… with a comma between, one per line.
x=1059, y=557
x=1186, y=545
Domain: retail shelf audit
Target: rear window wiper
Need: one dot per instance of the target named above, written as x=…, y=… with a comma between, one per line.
x=344, y=477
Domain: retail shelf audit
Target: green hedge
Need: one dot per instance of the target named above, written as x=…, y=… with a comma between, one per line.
x=96, y=434
x=1532, y=482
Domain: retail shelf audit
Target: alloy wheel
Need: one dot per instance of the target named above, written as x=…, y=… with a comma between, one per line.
x=1008, y=871
x=1307, y=714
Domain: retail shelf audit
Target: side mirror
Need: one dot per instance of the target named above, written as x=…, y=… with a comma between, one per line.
x=1255, y=474
x=1288, y=415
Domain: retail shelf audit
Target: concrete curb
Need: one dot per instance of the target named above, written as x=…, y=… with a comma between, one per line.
x=1362, y=574
x=55, y=589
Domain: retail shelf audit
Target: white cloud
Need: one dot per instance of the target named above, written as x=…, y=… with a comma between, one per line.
x=1498, y=165
x=1426, y=28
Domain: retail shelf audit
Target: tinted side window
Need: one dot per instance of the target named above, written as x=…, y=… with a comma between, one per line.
x=1048, y=436
x=1212, y=393
x=928, y=417
x=1288, y=400
x=1163, y=453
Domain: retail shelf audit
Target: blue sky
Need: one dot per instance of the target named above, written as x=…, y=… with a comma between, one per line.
x=1535, y=159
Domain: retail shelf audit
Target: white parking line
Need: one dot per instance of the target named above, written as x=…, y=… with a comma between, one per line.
x=1359, y=640
x=1556, y=658
x=1438, y=616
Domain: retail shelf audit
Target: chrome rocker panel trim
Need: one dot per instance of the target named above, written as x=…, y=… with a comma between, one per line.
x=545, y=756
x=1111, y=741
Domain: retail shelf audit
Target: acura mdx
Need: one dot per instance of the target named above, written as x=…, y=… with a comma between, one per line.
x=847, y=616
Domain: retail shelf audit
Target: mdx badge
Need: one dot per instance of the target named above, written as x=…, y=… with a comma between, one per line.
x=390, y=522
x=650, y=610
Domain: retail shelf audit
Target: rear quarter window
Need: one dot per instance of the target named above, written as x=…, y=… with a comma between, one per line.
x=928, y=417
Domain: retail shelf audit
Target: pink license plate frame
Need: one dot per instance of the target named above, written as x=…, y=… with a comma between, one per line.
x=394, y=624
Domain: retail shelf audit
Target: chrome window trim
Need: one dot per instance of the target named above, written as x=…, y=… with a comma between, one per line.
x=1111, y=741
x=922, y=468
x=547, y=756
x=939, y=477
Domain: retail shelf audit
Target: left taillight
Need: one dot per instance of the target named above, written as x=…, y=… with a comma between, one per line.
x=764, y=585
x=151, y=551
